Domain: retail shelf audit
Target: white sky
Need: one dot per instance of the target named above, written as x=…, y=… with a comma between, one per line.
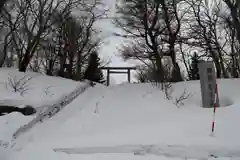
x=109, y=49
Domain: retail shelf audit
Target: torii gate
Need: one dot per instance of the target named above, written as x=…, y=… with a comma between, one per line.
x=128, y=72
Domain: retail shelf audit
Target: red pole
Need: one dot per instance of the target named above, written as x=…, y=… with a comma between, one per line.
x=214, y=108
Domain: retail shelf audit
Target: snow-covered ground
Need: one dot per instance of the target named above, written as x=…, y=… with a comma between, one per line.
x=121, y=122
x=132, y=121
x=40, y=92
x=40, y=88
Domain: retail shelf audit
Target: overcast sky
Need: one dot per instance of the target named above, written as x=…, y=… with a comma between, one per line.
x=109, y=49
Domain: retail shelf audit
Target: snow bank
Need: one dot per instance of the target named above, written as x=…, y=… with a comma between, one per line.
x=140, y=114
x=193, y=152
x=43, y=92
x=42, y=89
x=52, y=109
x=6, y=154
x=137, y=119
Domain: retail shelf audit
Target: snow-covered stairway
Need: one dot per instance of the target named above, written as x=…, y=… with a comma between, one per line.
x=52, y=109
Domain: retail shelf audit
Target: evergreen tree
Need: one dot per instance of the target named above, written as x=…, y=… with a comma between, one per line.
x=93, y=71
x=194, y=73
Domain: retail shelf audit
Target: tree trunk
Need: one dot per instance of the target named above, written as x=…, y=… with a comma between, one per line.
x=2, y=2
x=24, y=63
x=62, y=66
x=235, y=16
x=29, y=53
x=3, y=58
x=185, y=62
x=49, y=70
x=176, y=72
x=234, y=67
x=78, y=75
x=5, y=49
x=70, y=65
x=218, y=67
x=224, y=72
x=220, y=57
x=217, y=64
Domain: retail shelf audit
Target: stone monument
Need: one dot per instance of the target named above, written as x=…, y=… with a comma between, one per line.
x=208, y=82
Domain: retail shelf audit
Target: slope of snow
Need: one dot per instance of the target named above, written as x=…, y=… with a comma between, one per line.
x=122, y=122
x=41, y=88
x=42, y=92
x=136, y=118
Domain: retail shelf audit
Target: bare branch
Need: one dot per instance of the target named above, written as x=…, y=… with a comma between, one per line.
x=18, y=84
x=179, y=101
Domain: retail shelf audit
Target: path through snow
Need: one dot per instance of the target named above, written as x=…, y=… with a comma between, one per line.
x=178, y=151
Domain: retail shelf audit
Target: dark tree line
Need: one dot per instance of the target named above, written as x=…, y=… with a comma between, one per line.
x=175, y=28
x=155, y=26
x=49, y=36
x=194, y=73
x=93, y=71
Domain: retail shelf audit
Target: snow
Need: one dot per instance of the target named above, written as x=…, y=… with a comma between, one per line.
x=41, y=88
x=36, y=96
x=124, y=115
x=131, y=121
x=126, y=121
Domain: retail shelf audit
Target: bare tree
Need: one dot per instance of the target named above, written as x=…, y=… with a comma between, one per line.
x=231, y=26
x=154, y=25
x=18, y=84
x=204, y=32
x=2, y=2
x=9, y=24
x=49, y=58
x=234, y=8
x=232, y=58
x=6, y=42
x=185, y=54
x=34, y=21
x=72, y=39
x=179, y=101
